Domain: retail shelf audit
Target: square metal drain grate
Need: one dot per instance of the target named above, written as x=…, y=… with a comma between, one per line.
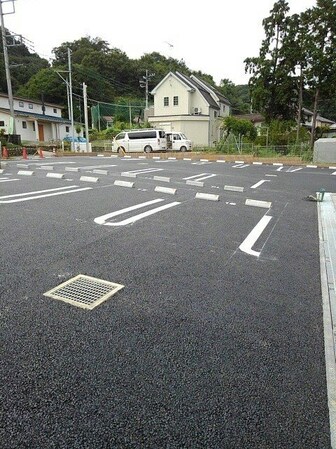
x=84, y=291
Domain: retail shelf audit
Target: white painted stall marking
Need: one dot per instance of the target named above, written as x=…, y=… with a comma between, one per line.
x=292, y=170
x=103, y=219
x=195, y=176
x=258, y=184
x=205, y=177
x=143, y=171
x=25, y=197
x=253, y=236
x=8, y=180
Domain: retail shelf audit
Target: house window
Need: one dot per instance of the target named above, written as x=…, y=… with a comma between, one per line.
x=175, y=101
x=215, y=114
x=2, y=123
x=67, y=129
x=33, y=126
x=30, y=106
x=24, y=125
x=165, y=101
x=55, y=111
x=21, y=104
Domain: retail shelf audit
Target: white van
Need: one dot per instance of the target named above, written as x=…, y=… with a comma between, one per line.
x=146, y=140
x=177, y=141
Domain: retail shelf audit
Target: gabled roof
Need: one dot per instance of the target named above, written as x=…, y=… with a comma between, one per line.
x=212, y=89
x=28, y=100
x=254, y=117
x=192, y=84
x=198, y=86
x=188, y=85
x=318, y=117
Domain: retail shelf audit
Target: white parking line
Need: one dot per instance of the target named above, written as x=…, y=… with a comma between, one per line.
x=35, y=195
x=145, y=170
x=206, y=177
x=292, y=170
x=103, y=219
x=253, y=236
x=259, y=183
x=8, y=180
x=195, y=176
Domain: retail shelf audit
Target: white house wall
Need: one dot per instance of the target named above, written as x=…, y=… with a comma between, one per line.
x=187, y=100
x=52, y=131
x=195, y=128
x=31, y=106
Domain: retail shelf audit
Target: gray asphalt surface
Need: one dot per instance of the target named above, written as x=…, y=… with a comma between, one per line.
x=205, y=347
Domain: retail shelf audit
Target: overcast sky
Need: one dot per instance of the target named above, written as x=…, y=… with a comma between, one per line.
x=214, y=37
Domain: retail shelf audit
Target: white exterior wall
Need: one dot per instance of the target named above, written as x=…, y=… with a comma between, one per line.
x=202, y=129
x=31, y=106
x=51, y=130
x=196, y=128
x=171, y=88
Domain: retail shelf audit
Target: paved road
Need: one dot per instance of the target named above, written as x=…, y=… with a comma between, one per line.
x=216, y=339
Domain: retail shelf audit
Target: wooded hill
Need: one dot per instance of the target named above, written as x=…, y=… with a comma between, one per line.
x=111, y=76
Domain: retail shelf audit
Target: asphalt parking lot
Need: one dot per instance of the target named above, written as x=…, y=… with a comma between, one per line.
x=214, y=341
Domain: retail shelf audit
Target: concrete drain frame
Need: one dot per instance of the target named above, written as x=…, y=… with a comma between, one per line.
x=84, y=291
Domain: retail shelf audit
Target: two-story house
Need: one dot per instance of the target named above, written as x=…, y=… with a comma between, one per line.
x=189, y=105
x=34, y=121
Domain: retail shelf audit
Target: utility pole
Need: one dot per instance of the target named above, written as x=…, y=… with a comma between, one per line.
x=71, y=102
x=86, y=119
x=8, y=77
x=144, y=84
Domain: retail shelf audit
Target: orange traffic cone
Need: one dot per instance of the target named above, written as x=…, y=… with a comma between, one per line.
x=41, y=153
x=5, y=153
x=24, y=153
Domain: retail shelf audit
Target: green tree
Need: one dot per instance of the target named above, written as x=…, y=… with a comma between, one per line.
x=320, y=43
x=239, y=96
x=24, y=64
x=80, y=48
x=273, y=88
x=239, y=128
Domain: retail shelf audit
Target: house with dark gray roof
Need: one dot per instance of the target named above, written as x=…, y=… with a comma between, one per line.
x=189, y=105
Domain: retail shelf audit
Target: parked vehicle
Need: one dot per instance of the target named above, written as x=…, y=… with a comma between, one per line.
x=146, y=140
x=177, y=141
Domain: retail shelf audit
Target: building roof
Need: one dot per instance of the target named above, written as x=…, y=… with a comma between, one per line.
x=254, y=117
x=196, y=85
x=32, y=101
x=192, y=83
x=40, y=117
x=318, y=117
x=213, y=89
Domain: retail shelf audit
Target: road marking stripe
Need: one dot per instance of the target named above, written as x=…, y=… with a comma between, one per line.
x=195, y=176
x=102, y=220
x=38, y=191
x=18, y=200
x=259, y=183
x=8, y=180
x=205, y=177
x=294, y=169
x=253, y=236
x=145, y=170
